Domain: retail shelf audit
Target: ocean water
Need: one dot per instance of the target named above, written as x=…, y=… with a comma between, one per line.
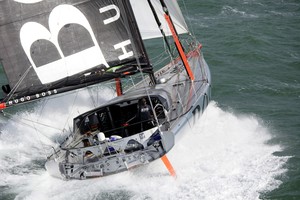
x=245, y=146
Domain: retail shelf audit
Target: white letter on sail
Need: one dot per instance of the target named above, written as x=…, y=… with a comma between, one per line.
x=67, y=66
x=122, y=46
x=114, y=18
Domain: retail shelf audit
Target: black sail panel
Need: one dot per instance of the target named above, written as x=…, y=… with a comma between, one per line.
x=66, y=44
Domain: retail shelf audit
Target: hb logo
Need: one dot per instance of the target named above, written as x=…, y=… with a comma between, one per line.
x=68, y=65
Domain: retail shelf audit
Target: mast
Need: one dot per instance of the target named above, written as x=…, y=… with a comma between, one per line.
x=137, y=33
x=177, y=42
x=160, y=27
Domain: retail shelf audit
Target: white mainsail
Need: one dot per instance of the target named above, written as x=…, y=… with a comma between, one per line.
x=146, y=21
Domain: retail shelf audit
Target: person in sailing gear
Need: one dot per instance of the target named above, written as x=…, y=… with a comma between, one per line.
x=145, y=115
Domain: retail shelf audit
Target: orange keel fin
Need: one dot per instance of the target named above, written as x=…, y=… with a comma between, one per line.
x=169, y=166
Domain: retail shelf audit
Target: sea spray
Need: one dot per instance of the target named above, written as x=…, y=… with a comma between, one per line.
x=28, y=135
x=225, y=156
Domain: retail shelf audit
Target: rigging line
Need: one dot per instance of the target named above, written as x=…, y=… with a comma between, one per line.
x=38, y=135
x=43, y=106
x=66, y=122
x=202, y=65
x=148, y=95
x=159, y=60
x=135, y=50
x=188, y=19
x=166, y=43
x=169, y=52
x=24, y=119
x=92, y=97
x=18, y=84
x=159, y=55
x=97, y=96
x=141, y=71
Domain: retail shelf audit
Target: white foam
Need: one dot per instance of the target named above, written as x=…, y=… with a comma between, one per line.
x=225, y=156
x=230, y=11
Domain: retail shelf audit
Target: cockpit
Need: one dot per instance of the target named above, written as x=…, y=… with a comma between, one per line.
x=124, y=118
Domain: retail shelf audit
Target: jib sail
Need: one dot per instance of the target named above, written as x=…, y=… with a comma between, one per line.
x=147, y=23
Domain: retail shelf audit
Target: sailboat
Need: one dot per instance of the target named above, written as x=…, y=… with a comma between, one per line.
x=51, y=48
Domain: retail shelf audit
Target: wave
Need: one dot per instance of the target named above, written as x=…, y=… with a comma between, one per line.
x=229, y=11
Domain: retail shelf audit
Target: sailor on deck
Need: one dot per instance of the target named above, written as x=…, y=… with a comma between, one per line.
x=145, y=115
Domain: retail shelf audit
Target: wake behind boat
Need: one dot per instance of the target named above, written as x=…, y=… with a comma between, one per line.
x=90, y=42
